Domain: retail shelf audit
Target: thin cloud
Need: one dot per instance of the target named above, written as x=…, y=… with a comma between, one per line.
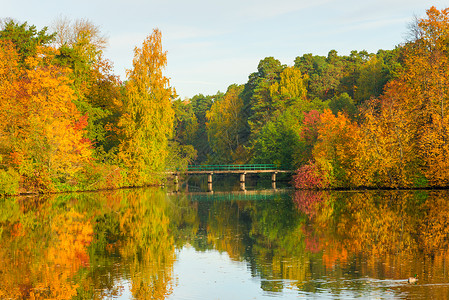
x=183, y=32
x=196, y=82
x=369, y=24
x=256, y=10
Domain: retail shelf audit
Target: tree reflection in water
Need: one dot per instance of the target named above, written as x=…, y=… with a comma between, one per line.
x=103, y=245
x=84, y=246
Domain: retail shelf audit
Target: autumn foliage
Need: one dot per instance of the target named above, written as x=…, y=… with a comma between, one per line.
x=65, y=125
x=147, y=121
x=401, y=137
x=42, y=129
x=360, y=120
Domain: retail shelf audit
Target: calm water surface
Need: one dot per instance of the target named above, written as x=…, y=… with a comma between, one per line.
x=260, y=244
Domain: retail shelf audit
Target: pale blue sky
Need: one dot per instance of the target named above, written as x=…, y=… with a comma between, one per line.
x=212, y=44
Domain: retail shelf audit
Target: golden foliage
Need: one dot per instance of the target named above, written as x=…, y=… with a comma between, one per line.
x=39, y=121
x=334, y=151
x=224, y=123
x=148, y=119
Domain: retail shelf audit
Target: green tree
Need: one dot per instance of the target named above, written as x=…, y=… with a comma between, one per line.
x=278, y=141
x=325, y=73
x=261, y=102
x=185, y=123
x=343, y=103
x=371, y=80
x=201, y=105
x=25, y=38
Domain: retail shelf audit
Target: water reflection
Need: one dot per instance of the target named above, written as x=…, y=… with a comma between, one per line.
x=136, y=244
x=82, y=246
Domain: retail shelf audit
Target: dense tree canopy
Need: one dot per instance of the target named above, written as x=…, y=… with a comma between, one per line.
x=400, y=140
x=67, y=122
x=362, y=119
x=385, y=126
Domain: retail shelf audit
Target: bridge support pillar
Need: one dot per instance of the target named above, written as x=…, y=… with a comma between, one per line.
x=176, y=183
x=273, y=180
x=242, y=181
x=273, y=177
x=242, y=177
x=209, y=182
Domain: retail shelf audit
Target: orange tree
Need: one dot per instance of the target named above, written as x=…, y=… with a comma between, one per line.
x=408, y=126
x=42, y=130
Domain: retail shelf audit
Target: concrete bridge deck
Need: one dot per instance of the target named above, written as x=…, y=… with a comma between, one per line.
x=237, y=171
x=243, y=170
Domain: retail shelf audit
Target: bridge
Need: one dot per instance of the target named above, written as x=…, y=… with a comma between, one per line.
x=233, y=169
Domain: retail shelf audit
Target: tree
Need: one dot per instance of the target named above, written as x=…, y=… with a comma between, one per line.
x=185, y=123
x=148, y=119
x=25, y=38
x=427, y=67
x=181, y=149
x=325, y=73
x=369, y=83
x=351, y=71
x=81, y=46
x=334, y=151
x=309, y=133
x=42, y=129
x=278, y=141
x=290, y=90
x=224, y=124
x=409, y=124
x=201, y=105
x=261, y=102
x=343, y=103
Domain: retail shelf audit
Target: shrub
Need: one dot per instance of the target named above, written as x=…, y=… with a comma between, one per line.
x=308, y=177
x=9, y=182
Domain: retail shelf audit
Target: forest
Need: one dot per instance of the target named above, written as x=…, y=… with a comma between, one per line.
x=363, y=120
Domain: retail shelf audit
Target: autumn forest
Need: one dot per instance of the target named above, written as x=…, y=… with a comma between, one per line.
x=371, y=120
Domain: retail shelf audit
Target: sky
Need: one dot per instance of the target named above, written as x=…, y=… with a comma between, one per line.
x=213, y=44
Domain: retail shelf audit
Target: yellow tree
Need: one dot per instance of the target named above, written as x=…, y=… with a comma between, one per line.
x=386, y=146
x=10, y=115
x=148, y=116
x=428, y=81
x=224, y=124
x=291, y=88
x=54, y=112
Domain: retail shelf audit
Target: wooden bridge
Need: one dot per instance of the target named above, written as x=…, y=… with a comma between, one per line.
x=210, y=170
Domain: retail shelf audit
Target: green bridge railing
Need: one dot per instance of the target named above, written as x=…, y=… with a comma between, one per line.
x=231, y=167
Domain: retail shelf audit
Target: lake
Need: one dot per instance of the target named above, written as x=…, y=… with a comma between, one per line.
x=260, y=244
